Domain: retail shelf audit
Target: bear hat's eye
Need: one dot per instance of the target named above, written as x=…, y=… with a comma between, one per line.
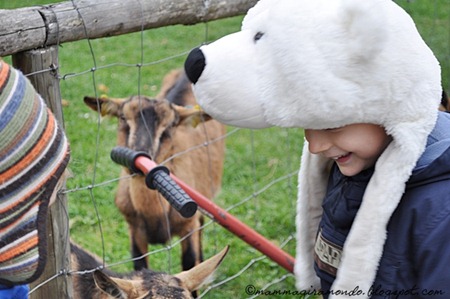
x=258, y=36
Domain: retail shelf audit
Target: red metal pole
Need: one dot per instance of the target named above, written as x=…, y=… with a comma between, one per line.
x=227, y=220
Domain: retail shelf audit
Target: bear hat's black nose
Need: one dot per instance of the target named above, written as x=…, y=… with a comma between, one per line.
x=194, y=65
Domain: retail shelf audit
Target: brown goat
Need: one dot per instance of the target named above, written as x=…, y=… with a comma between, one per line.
x=105, y=284
x=175, y=134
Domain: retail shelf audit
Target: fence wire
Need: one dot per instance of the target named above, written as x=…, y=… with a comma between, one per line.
x=271, y=176
x=94, y=183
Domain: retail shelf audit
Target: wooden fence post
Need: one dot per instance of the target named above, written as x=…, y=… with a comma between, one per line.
x=44, y=64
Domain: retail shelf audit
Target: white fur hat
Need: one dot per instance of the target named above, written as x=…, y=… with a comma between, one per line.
x=319, y=64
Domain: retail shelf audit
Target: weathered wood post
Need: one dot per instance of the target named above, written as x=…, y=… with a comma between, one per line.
x=44, y=64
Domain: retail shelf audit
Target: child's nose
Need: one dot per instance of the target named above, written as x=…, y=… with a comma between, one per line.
x=317, y=142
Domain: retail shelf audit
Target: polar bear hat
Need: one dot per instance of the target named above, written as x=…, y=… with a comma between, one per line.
x=322, y=64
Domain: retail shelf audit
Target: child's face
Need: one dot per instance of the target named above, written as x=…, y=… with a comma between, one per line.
x=354, y=148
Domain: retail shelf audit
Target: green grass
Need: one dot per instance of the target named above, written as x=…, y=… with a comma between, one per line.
x=253, y=158
x=270, y=213
x=432, y=18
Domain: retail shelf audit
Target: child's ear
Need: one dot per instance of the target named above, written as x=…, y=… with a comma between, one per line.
x=191, y=115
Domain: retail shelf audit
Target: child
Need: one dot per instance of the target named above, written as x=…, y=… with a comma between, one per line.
x=34, y=153
x=416, y=255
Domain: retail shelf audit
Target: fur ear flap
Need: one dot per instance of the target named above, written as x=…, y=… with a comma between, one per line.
x=104, y=105
x=191, y=115
x=312, y=182
x=363, y=22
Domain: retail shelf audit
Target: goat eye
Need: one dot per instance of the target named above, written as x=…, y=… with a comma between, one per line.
x=258, y=36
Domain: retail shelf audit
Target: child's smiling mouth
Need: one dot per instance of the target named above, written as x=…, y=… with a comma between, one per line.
x=342, y=158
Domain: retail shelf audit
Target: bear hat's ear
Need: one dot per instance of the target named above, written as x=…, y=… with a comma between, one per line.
x=257, y=15
x=364, y=23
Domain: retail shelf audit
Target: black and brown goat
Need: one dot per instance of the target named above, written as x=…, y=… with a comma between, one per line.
x=174, y=133
x=105, y=284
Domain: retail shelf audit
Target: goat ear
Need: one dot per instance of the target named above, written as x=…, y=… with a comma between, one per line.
x=107, y=106
x=201, y=274
x=168, y=82
x=191, y=115
x=115, y=287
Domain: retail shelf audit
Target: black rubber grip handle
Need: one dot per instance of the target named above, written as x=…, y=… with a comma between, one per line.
x=158, y=178
x=126, y=157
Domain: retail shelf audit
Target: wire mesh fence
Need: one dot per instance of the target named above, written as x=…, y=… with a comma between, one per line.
x=260, y=167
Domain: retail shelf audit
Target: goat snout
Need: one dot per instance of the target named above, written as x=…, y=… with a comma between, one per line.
x=194, y=65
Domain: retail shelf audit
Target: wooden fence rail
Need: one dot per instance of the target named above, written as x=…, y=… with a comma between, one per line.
x=41, y=26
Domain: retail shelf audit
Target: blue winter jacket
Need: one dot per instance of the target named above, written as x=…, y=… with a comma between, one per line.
x=416, y=257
